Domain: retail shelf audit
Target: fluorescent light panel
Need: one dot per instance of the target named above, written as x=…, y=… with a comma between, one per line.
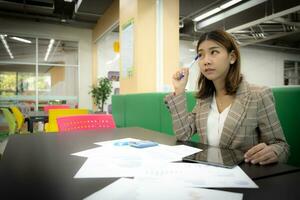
x=50, y=46
x=21, y=40
x=228, y=4
x=6, y=46
x=215, y=10
x=207, y=14
x=228, y=13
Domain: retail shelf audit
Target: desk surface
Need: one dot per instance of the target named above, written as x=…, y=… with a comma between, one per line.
x=39, y=166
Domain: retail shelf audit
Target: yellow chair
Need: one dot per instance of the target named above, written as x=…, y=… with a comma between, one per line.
x=11, y=121
x=19, y=117
x=51, y=126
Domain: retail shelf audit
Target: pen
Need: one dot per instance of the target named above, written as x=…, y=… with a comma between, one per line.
x=195, y=59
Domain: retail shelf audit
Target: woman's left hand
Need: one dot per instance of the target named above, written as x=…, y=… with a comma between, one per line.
x=262, y=154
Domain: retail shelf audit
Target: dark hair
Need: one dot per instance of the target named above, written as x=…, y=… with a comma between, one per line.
x=206, y=87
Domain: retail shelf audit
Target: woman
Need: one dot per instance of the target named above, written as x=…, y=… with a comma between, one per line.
x=229, y=113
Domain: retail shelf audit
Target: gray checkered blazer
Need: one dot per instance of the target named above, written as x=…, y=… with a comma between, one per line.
x=252, y=119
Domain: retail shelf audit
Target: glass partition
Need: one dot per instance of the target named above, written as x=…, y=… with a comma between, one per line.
x=17, y=49
x=38, y=71
x=60, y=52
x=58, y=85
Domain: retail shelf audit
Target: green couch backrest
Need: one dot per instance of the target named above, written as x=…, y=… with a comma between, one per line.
x=287, y=102
x=148, y=110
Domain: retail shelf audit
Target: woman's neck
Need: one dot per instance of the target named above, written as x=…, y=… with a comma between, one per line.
x=220, y=87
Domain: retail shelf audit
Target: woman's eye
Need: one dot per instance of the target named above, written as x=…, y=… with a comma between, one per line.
x=213, y=52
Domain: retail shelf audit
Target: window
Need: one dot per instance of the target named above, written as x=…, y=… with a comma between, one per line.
x=291, y=72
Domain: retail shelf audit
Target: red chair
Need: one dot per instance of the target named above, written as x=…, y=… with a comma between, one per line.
x=47, y=107
x=85, y=122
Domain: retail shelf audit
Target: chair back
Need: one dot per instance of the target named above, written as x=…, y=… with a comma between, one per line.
x=9, y=117
x=19, y=116
x=47, y=107
x=51, y=126
x=85, y=122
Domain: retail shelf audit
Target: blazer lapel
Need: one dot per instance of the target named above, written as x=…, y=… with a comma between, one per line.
x=204, y=110
x=235, y=115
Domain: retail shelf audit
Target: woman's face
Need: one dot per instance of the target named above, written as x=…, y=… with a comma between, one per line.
x=214, y=60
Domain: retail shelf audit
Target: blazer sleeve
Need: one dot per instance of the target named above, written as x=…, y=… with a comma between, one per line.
x=183, y=122
x=269, y=125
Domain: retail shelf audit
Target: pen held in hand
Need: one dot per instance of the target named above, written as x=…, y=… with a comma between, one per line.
x=195, y=59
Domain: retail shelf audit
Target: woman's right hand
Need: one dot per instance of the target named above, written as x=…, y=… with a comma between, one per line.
x=179, y=80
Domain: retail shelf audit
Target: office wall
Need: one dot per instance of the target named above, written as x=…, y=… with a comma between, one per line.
x=83, y=36
x=265, y=66
x=187, y=54
x=259, y=66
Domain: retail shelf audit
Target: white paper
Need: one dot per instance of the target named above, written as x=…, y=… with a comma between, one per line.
x=198, y=175
x=112, y=161
x=154, y=163
x=99, y=151
x=131, y=189
x=161, y=152
x=113, y=142
x=124, y=161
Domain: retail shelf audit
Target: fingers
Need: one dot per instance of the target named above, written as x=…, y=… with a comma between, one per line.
x=181, y=74
x=179, y=80
x=254, y=150
x=269, y=161
x=262, y=154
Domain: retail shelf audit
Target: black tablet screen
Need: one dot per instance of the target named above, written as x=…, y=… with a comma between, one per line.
x=217, y=156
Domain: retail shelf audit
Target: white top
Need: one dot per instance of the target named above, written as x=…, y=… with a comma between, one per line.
x=215, y=123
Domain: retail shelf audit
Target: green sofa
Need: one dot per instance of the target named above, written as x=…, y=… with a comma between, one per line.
x=148, y=110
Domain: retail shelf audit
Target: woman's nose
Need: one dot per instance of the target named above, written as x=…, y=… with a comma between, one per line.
x=206, y=60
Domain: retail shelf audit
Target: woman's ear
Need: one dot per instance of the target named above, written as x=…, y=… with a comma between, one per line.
x=232, y=57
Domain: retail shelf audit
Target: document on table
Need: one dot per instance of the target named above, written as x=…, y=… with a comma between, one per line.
x=98, y=150
x=127, y=161
x=198, y=175
x=161, y=152
x=121, y=160
x=131, y=189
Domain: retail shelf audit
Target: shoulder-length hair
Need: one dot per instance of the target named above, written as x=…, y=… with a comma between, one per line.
x=206, y=87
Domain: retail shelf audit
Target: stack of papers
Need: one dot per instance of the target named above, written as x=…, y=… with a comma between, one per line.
x=131, y=189
x=151, y=165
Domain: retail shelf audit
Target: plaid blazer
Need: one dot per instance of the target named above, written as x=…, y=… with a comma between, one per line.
x=252, y=119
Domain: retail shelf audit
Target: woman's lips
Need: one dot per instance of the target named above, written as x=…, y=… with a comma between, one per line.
x=209, y=70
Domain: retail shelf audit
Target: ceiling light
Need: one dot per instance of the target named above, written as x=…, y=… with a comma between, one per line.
x=230, y=3
x=6, y=46
x=21, y=40
x=49, y=49
x=207, y=14
x=228, y=13
x=216, y=10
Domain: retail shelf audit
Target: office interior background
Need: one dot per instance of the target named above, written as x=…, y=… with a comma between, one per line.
x=53, y=50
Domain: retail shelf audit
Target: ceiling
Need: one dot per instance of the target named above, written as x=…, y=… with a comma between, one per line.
x=76, y=13
x=263, y=23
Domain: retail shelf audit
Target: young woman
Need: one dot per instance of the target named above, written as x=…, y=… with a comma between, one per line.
x=229, y=113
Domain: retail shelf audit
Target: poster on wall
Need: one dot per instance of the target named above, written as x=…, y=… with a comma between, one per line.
x=113, y=75
x=127, y=49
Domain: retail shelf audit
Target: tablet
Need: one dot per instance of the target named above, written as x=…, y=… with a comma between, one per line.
x=217, y=156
